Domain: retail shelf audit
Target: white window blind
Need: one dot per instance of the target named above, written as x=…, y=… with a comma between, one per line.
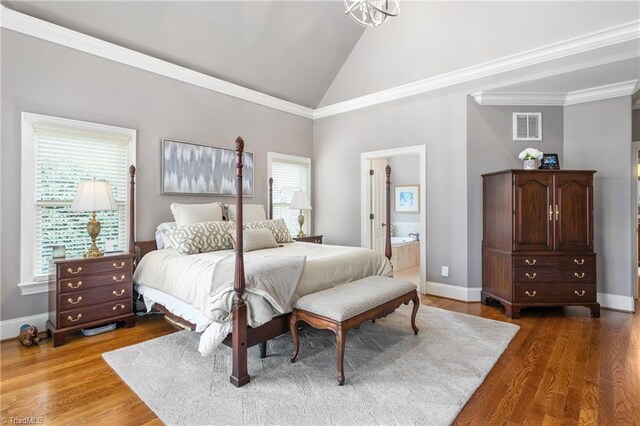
x=64, y=156
x=290, y=174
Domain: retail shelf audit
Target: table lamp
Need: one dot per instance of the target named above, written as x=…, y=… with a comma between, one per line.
x=93, y=196
x=300, y=201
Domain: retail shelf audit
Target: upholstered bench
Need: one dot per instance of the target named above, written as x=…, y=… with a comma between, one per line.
x=346, y=306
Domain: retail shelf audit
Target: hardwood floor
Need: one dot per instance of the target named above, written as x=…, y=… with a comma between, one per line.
x=563, y=367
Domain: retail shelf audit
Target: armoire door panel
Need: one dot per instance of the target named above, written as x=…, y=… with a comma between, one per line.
x=533, y=223
x=573, y=212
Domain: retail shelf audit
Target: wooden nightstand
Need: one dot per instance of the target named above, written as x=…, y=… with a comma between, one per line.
x=90, y=292
x=309, y=239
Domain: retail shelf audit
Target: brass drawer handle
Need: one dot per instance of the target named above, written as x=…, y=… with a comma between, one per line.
x=530, y=262
x=579, y=275
x=76, y=302
x=578, y=262
x=77, y=271
x=122, y=277
x=74, y=286
x=74, y=320
x=115, y=265
x=532, y=294
x=118, y=306
x=579, y=294
x=530, y=276
x=115, y=293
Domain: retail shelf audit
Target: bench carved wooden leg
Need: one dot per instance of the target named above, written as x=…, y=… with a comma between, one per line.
x=293, y=324
x=416, y=305
x=340, y=336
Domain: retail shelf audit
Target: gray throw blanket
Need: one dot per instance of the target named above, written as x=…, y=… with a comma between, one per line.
x=274, y=277
x=270, y=283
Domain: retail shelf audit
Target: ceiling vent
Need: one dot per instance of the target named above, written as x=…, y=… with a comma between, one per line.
x=527, y=126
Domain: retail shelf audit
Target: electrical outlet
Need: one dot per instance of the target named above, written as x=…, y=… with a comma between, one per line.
x=445, y=271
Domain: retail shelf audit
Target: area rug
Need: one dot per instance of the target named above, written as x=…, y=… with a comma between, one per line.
x=392, y=376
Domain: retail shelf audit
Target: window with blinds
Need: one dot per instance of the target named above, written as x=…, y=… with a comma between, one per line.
x=66, y=154
x=290, y=174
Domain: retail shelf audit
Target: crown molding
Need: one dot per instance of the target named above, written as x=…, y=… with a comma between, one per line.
x=625, y=88
x=519, y=98
x=609, y=36
x=25, y=24
x=28, y=25
x=599, y=93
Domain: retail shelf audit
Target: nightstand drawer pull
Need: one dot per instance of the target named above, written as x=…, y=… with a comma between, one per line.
x=77, y=271
x=530, y=262
x=579, y=275
x=578, y=262
x=74, y=286
x=118, y=306
x=579, y=293
x=70, y=318
x=70, y=300
x=122, y=277
x=115, y=265
x=532, y=294
x=531, y=276
x=115, y=293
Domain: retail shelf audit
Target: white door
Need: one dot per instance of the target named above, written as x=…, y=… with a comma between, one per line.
x=378, y=204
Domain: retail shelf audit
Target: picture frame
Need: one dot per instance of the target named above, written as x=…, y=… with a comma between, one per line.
x=193, y=169
x=549, y=162
x=407, y=199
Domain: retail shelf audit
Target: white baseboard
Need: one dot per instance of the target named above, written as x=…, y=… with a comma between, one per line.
x=465, y=294
x=617, y=302
x=11, y=328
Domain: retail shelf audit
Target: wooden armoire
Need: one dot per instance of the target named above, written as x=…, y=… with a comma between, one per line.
x=537, y=246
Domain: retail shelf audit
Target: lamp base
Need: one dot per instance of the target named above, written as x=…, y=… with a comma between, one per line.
x=93, y=229
x=301, y=222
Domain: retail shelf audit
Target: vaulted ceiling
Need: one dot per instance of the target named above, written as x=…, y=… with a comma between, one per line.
x=290, y=50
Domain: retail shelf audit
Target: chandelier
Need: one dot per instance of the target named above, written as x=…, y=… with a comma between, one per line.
x=371, y=13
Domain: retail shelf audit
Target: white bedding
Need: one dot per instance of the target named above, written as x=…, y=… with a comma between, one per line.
x=189, y=278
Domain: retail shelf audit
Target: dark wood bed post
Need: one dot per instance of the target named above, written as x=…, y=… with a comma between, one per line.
x=387, y=245
x=270, y=198
x=132, y=209
x=239, y=376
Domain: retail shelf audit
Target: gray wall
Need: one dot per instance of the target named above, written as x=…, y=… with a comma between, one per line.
x=406, y=171
x=490, y=147
x=598, y=137
x=437, y=120
x=44, y=78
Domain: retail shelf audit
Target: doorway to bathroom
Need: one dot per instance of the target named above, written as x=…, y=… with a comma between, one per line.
x=408, y=208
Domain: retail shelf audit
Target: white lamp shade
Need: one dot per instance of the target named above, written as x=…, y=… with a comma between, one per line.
x=300, y=201
x=93, y=195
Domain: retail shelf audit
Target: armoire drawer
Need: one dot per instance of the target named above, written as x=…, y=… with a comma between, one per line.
x=564, y=261
x=555, y=293
x=555, y=275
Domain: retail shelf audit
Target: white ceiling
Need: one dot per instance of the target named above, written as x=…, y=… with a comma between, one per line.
x=290, y=50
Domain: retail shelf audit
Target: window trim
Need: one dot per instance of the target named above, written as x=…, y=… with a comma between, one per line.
x=28, y=284
x=294, y=158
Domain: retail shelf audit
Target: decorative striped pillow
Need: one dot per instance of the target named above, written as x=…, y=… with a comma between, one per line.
x=277, y=226
x=201, y=237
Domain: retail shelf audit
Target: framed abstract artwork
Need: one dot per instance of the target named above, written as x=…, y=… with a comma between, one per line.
x=189, y=168
x=407, y=199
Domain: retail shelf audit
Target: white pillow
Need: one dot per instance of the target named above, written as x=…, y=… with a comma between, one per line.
x=189, y=214
x=160, y=240
x=250, y=212
x=257, y=239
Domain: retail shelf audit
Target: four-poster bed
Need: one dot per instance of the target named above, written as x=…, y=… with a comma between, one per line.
x=242, y=335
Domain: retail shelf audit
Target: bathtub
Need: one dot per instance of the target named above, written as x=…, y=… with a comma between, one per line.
x=405, y=253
